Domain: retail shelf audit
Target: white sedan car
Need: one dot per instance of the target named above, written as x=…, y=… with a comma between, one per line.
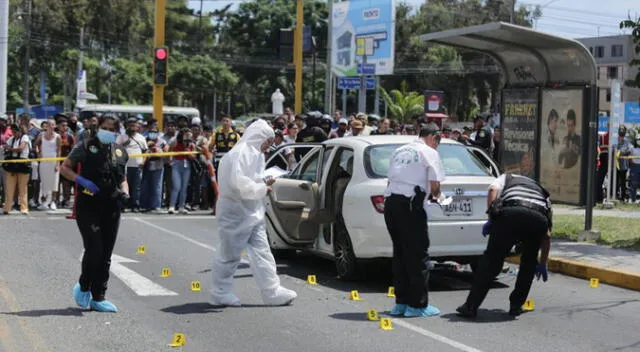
x=331, y=203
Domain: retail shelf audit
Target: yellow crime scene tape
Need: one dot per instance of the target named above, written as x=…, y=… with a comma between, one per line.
x=151, y=155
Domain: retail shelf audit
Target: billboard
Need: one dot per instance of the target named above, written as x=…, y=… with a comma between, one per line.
x=363, y=37
x=631, y=113
x=519, y=131
x=561, y=144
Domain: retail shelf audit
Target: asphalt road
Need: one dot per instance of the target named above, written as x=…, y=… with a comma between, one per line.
x=39, y=264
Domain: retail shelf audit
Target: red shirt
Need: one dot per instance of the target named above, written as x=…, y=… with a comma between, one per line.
x=179, y=147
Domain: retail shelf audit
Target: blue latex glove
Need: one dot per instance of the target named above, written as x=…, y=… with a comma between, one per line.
x=486, y=228
x=541, y=270
x=87, y=184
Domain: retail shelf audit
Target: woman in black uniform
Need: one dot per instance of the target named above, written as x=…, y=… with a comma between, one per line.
x=102, y=191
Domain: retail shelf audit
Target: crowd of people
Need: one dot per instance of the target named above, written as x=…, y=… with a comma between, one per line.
x=177, y=184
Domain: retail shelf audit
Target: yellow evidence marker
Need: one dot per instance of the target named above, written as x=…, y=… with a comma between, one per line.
x=529, y=305
x=195, y=286
x=594, y=282
x=178, y=340
x=385, y=324
x=355, y=296
x=141, y=250
x=372, y=315
x=311, y=279
x=166, y=272
x=392, y=292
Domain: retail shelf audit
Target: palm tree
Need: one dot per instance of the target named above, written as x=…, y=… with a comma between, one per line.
x=402, y=104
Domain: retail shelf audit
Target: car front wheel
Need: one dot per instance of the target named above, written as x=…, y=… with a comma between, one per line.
x=345, y=259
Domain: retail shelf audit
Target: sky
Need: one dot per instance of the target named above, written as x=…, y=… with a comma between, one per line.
x=567, y=18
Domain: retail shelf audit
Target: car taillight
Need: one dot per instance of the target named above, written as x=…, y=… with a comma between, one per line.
x=378, y=203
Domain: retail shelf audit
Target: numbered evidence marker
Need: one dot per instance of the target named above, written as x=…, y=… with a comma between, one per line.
x=392, y=292
x=372, y=315
x=311, y=280
x=594, y=282
x=529, y=305
x=385, y=324
x=355, y=296
x=195, y=286
x=178, y=340
x=141, y=250
x=166, y=272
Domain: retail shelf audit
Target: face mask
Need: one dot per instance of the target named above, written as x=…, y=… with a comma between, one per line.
x=153, y=135
x=106, y=137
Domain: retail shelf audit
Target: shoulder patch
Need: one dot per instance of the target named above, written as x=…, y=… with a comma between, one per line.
x=118, y=153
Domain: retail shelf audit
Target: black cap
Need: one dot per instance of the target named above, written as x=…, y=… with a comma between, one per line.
x=428, y=129
x=132, y=120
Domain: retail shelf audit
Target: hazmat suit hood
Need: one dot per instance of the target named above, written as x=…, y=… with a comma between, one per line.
x=258, y=132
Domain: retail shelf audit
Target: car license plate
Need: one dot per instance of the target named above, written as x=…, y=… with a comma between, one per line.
x=459, y=207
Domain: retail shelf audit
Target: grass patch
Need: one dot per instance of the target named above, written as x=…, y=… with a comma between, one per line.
x=621, y=207
x=616, y=232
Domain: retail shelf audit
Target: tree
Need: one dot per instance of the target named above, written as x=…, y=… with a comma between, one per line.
x=403, y=105
x=635, y=33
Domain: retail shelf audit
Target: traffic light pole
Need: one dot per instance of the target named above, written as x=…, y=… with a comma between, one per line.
x=158, y=90
x=297, y=54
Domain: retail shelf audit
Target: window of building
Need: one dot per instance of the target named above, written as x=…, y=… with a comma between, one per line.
x=608, y=95
x=616, y=50
x=612, y=72
x=599, y=51
x=591, y=50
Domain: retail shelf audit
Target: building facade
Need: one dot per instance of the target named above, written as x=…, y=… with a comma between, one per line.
x=612, y=55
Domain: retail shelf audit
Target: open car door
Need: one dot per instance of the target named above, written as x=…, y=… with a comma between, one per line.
x=293, y=206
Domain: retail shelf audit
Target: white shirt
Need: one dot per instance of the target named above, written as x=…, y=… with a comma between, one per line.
x=16, y=144
x=411, y=165
x=498, y=183
x=135, y=145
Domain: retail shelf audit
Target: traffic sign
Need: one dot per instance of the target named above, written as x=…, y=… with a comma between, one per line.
x=354, y=83
x=366, y=69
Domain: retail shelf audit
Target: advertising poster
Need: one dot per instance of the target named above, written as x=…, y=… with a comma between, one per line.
x=519, y=131
x=561, y=144
x=367, y=25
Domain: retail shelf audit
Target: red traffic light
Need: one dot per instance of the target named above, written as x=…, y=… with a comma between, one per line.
x=161, y=53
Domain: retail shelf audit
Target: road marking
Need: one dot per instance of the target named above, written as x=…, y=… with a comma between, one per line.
x=10, y=299
x=136, y=282
x=445, y=340
x=176, y=234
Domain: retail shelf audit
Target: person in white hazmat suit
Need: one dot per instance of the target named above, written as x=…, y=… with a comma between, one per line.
x=241, y=223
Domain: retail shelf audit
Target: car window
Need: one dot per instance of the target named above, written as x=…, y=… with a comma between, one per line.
x=456, y=159
x=308, y=171
x=345, y=156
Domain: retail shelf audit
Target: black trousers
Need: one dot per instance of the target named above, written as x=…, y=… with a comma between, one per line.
x=99, y=229
x=516, y=224
x=621, y=184
x=410, y=237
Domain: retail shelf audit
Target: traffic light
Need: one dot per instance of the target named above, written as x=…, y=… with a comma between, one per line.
x=160, y=66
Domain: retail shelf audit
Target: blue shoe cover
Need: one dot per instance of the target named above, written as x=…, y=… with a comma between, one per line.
x=398, y=310
x=82, y=298
x=103, y=306
x=428, y=311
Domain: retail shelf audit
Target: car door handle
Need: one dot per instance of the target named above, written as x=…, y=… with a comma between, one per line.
x=305, y=186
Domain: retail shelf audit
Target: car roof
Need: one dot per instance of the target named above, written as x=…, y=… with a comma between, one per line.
x=364, y=141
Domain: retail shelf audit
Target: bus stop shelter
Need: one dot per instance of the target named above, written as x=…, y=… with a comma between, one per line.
x=549, y=106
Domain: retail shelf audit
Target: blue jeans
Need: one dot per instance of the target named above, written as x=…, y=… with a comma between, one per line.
x=634, y=180
x=151, y=189
x=134, y=176
x=180, y=174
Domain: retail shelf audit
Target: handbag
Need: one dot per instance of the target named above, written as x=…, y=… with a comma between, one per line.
x=16, y=168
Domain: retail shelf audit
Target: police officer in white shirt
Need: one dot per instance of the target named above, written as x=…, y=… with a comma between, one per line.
x=519, y=213
x=415, y=170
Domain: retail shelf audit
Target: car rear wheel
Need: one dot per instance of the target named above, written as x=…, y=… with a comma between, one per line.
x=345, y=259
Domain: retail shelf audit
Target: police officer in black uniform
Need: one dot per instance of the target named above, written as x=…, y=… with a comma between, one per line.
x=483, y=137
x=310, y=132
x=519, y=214
x=102, y=193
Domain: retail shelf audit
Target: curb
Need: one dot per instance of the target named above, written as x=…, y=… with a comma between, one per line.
x=587, y=271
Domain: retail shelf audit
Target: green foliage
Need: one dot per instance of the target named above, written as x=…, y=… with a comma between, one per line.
x=403, y=105
x=635, y=33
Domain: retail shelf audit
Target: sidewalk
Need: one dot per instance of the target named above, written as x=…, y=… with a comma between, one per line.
x=598, y=212
x=616, y=267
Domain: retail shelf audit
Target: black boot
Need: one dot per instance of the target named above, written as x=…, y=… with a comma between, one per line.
x=467, y=312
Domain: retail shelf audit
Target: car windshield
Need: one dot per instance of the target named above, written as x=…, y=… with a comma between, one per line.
x=457, y=160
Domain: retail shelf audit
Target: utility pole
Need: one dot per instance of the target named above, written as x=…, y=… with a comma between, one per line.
x=158, y=89
x=4, y=53
x=298, y=54
x=328, y=80
x=81, y=57
x=27, y=54
x=200, y=21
